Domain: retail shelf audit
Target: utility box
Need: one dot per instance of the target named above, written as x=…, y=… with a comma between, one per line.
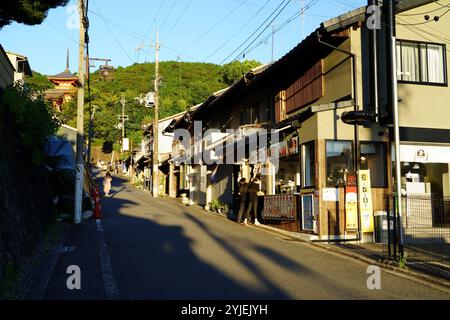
x=381, y=227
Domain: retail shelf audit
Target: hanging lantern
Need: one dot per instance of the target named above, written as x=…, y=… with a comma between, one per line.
x=106, y=72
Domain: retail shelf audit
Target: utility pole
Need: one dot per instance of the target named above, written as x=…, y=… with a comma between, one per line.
x=155, y=125
x=80, y=116
x=123, y=101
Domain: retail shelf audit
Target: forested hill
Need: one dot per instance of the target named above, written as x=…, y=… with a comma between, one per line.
x=183, y=85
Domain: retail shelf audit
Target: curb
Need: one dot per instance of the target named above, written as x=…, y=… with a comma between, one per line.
x=434, y=282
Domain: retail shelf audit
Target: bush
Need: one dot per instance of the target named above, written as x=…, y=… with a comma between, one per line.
x=33, y=118
x=219, y=206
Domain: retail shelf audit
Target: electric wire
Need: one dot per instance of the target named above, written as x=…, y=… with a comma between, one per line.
x=168, y=15
x=112, y=34
x=282, y=26
x=214, y=26
x=178, y=20
x=280, y=8
x=239, y=30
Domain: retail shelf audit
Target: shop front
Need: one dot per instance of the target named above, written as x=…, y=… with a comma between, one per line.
x=426, y=180
x=283, y=202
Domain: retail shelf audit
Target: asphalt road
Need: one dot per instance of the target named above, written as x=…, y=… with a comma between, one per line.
x=147, y=248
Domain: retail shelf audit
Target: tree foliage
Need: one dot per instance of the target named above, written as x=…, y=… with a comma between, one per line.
x=33, y=118
x=38, y=82
x=234, y=71
x=28, y=12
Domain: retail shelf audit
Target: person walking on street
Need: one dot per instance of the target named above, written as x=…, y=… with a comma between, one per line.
x=107, y=180
x=253, y=189
x=243, y=198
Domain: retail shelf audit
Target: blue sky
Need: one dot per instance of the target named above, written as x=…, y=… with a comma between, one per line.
x=190, y=30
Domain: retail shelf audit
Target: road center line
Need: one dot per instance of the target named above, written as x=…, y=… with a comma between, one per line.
x=111, y=290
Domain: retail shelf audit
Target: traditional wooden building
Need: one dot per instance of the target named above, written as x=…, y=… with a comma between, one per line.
x=66, y=87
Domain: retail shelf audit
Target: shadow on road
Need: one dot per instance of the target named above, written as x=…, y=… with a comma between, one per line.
x=154, y=261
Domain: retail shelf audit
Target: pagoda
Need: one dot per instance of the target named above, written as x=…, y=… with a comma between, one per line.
x=66, y=87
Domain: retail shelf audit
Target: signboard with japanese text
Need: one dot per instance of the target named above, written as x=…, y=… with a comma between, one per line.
x=366, y=208
x=351, y=203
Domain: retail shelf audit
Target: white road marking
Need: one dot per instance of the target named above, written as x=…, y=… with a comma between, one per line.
x=111, y=290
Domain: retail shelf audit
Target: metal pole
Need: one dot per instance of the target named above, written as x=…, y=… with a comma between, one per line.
x=155, y=126
x=373, y=56
x=390, y=17
x=80, y=118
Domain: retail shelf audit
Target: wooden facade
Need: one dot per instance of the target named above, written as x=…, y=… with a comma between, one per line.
x=307, y=89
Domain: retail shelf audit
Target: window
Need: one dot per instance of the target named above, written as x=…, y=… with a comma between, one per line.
x=309, y=165
x=420, y=62
x=249, y=115
x=339, y=162
x=373, y=158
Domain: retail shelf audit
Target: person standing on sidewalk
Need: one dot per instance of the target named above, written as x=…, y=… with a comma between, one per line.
x=243, y=186
x=107, y=183
x=253, y=190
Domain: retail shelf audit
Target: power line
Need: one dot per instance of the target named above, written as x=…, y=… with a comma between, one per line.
x=419, y=14
x=111, y=33
x=284, y=2
x=215, y=26
x=153, y=21
x=267, y=26
x=427, y=21
x=178, y=19
x=60, y=31
x=120, y=26
x=240, y=29
x=282, y=26
x=140, y=36
x=168, y=15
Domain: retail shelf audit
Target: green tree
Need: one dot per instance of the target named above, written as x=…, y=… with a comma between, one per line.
x=234, y=71
x=28, y=12
x=38, y=82
x=33, y=119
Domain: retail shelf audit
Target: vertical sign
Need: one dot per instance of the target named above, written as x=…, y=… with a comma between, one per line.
x=351, y=203
x=365, y=191
x=125, y=144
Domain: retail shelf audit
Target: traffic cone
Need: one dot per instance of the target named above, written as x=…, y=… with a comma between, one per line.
x=97, y=205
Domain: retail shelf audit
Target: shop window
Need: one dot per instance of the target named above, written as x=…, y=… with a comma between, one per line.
x=373, y=158
x=309, y=165
x=339, y=162
x=419, y=62
x=287, y=179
